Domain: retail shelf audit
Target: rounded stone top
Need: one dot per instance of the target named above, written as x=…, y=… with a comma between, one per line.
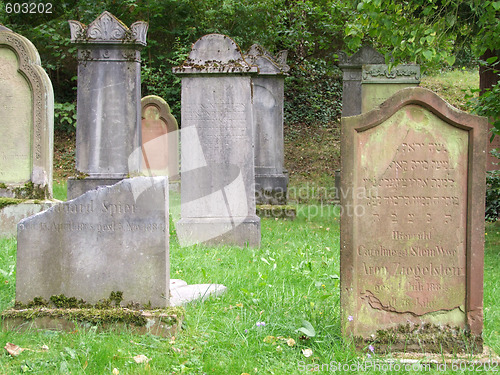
x=215, y=53
x=107, y=29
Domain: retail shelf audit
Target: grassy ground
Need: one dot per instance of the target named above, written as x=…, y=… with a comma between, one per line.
x=293, y=277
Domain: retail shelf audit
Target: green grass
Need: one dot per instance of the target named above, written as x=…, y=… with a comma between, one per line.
x=60, y=190
x=294, y=276
x=452, y=85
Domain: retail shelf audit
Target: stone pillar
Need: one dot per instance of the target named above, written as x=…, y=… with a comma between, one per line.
x=108, y=101
x=217, y=160
x=271, y=180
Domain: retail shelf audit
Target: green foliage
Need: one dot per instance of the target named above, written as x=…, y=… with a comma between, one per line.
x=425, y=31
x=65, y=117
x=313, y=93
x=492, y=212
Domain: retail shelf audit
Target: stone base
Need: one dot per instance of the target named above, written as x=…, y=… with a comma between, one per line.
x=165, y=322
x=77, y=187
x=243, y=232
x=181, y=293
x=277, y=211
x=271, y=189
x=12, y=214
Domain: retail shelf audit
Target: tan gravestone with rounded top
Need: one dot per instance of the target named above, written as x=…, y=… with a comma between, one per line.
x=412, y=226
x=160, y=138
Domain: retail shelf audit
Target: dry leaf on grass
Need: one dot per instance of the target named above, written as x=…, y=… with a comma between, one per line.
x=141, y=358
x=13, y=350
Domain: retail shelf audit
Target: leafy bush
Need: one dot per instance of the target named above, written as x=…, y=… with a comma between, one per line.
x=65, y=117
x=492, y=212
x=313, y=93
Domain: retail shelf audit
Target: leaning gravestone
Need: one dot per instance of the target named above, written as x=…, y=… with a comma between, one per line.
x=412, y=230
x=108, y=101
x=27, y=132
x=160, y=139
x=27, y=120
x=217, y=160
x=271, y=179
x=107, y=240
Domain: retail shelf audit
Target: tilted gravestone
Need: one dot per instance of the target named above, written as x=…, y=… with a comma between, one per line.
x=217, y=160
x=27, y=132
x=160, y=139
x=271, y=180
x=412, y=227
x=26, y=120
x=107, y=240
x=108, y=101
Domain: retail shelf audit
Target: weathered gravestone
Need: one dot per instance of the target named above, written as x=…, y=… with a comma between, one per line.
x=368, y=82
x=26, y=120
x=27, y=132
x=107, y=240
x=160, y=139
x=271, y=180
x=412, y=227
x=108, y=101
x=217, y=160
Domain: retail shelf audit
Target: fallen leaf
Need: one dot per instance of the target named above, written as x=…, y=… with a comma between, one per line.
x=13, y=349
x=177, y=350
x=115, y=371
x=307, y=352
x=141, y=358
x=45, y=347
x=290, y=342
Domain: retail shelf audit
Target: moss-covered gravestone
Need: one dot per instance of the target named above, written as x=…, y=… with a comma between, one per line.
x=412, y=229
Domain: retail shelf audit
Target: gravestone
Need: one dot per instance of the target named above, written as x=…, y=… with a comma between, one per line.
x=352, y=74
x=378, y=83
x=26, y=120
x=412, y=227
x=368, y=82
x=110, y=239
x=217, y=160
x=271, y=180
x=108, y=101
x=160, y=139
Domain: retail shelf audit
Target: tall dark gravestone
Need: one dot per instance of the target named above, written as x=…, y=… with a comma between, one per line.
x=412, y=228
x=108, y=128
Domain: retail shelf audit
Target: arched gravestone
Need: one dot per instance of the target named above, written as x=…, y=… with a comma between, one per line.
x=26, y=120
x=108, y=101
x=268, y=97
x=217, y=160
x=412, y=226
x=160, y=139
